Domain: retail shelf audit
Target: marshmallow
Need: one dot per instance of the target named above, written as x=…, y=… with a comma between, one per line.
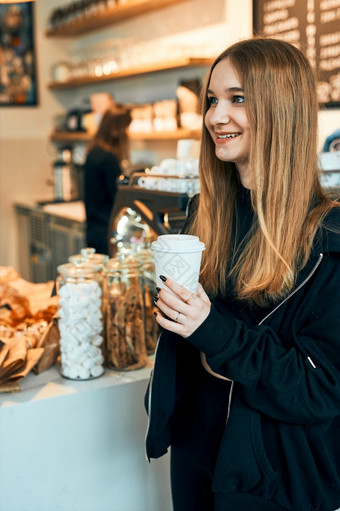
x=97, y=371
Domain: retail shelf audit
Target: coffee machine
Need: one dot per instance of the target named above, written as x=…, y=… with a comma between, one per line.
x=67, y=177
x=144, y=214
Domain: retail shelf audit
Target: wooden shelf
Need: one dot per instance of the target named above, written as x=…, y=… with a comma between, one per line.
x=166, y=135
x=108, y=17
x=68, y=136
x=131, y=72
x=65, y=136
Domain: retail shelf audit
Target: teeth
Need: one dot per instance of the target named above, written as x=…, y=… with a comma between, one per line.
x=228, y=136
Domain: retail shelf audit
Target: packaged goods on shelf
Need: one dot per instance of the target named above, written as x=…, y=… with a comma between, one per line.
x=188, y=103
x=165, y=115
x=173, y=175
x=142, y=118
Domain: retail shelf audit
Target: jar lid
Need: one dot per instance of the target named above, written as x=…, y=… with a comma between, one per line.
x=122, y=262
x=97, y=258
x=87, y=251
x=92, y=258
x=81, y=270
x=76, y=259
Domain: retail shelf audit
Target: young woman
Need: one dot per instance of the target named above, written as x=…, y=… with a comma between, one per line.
x=246, y=383
x=105, y=154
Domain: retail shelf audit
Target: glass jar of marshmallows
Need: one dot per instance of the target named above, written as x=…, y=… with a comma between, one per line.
x=80, y=321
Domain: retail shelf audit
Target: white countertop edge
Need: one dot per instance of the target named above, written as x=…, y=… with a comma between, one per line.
x=50, y=384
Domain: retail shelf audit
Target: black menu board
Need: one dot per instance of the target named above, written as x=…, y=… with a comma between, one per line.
x=314, y=27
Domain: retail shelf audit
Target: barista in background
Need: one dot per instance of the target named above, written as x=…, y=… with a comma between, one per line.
x=106, y=152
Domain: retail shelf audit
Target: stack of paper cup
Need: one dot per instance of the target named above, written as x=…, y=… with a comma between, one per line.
x=178, y=256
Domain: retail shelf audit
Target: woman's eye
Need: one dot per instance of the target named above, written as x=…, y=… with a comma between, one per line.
x=211, y=100
x=238, y=99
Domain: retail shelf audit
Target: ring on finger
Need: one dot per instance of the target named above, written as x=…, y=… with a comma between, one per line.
x=188, y=299
x=177, y=316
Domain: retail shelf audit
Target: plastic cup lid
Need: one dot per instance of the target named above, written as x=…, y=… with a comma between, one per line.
x=179, y=243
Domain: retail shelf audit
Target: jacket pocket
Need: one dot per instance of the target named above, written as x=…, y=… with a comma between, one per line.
x=242, y=464
x=259, y=448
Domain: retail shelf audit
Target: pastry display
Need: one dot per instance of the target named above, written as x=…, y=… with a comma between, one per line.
x=27, y=321
x=102, y=316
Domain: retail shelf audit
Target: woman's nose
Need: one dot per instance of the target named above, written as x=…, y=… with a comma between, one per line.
x=220, y=114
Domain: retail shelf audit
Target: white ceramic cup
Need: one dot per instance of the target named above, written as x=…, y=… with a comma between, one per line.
x=178, y=256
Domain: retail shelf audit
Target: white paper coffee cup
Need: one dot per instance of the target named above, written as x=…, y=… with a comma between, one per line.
x=178, y=256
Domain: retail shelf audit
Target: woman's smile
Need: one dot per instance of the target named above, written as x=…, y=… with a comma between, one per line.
x=222, y=138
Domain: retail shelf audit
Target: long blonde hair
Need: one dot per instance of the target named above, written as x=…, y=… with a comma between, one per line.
x=286, y=196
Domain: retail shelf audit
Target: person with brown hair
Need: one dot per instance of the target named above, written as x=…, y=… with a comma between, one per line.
x=246, y=383
x=105, y=155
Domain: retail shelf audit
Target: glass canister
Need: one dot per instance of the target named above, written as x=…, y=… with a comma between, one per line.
x=89, y=255
x=80, y=321
x=125, y=334
x=152, y=328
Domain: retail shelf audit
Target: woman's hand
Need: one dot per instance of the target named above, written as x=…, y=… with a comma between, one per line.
x=186, y=310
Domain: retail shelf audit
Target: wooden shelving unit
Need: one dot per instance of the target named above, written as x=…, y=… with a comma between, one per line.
x=131, y=72
x=65, y=136
x=108, y=17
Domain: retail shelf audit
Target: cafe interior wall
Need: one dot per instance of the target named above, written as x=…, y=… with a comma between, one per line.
x=26, y=154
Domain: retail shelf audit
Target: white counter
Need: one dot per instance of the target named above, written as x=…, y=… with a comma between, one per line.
x=71, y=210
x=79, y=446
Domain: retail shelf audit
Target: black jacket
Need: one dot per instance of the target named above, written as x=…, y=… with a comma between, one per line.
x=101, y=171
x=286, y=386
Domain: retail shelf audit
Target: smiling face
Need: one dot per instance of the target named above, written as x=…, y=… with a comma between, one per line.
x=226, y=119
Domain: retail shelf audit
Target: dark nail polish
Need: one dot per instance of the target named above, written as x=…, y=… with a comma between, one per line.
x=162, y=278
x=155, y=298
x=155, y=314
x=158, y=289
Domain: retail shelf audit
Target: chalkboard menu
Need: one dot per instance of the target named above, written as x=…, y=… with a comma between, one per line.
x=314, y=27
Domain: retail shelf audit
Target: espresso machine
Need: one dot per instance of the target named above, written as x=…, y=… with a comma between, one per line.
x=67, y=177
x=141, y=214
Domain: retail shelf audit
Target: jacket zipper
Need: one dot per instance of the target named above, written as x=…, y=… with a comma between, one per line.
x=149, y=401
x=311, y=273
